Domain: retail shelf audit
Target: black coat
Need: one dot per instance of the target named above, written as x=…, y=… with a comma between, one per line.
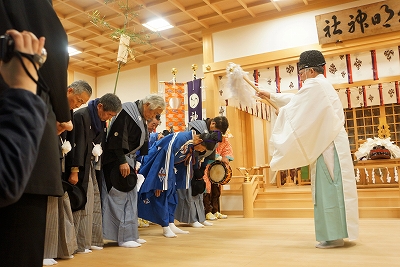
x=22, y=120
x=81, y=153
x=39, y=17
x=123, y=137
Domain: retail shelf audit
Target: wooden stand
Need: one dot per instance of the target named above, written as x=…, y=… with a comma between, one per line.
x=369, y=165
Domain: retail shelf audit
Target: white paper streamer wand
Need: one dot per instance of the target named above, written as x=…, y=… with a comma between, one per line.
x=236, y=75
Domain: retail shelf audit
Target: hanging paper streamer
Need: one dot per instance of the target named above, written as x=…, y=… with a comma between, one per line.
x=367, y=175
x=381, y=175
x=358, y=175
x=194, y=100
x=388, y=178
x=175, y=110
x=373, y=176
x=123, y=48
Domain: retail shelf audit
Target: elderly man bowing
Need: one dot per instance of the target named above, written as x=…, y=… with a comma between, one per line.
x=127, y=134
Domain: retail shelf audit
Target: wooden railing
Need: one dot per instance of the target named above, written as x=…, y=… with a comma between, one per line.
x=385, y=175
x=377, y=173
x=250, y=188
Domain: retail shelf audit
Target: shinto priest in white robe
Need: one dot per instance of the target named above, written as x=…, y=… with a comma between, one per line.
x=309, y=130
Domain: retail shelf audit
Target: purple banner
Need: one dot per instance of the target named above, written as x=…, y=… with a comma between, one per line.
x=194, y=100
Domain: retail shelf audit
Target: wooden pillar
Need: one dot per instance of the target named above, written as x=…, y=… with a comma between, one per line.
x=248, y=131
x=153, y=79
x=210, y=81
x=70, y=77
x=248, y=211
x=241, y=126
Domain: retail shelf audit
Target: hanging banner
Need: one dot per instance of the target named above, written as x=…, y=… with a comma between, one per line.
x=357, y=22
x=336, y=67
x=388, y=61
x=175, y=109
x=389, y=94
x=356, y=97
x=194, y=100
x=361, y=66
x=372, y=95
x=289, y=78
x=266, y=81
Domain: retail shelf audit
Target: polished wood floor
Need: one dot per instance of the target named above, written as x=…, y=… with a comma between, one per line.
x=237, y=241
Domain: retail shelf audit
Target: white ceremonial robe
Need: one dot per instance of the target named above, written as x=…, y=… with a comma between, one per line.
x=305, y=128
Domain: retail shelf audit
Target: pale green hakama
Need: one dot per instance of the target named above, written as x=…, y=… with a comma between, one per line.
x=309, y=130
x=329, y=207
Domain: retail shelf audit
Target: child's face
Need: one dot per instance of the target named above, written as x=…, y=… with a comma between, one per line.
x=213, y=126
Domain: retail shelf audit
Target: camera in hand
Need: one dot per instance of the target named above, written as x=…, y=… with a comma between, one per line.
x=6, y=48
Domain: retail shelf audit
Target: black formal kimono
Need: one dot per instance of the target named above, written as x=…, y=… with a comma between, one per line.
x=124, y=137
x=22, y=224
x=85, y=137
x=22, y=120
x=127, y=134
x=88, y=131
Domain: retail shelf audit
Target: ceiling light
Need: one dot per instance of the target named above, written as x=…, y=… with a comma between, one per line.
x=158, y=25
x=72, y=51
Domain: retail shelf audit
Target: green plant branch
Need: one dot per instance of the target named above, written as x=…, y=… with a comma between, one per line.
x=129, y=13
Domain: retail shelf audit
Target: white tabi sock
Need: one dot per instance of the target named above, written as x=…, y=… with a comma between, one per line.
x=49, y=262
x=176, y=230
x=330, y=244
x=67, y=257
x=167, y=232
x=196, y=225
x=205, y=223
x=96, y=247
x=129, y=244
x=84, y=252
x=140, y=241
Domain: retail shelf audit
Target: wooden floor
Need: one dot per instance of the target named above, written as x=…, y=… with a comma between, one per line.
x=237, y=241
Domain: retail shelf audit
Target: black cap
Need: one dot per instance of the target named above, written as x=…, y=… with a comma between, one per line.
x=198, y=186
x=311, y=58
x=77, y=196
x=120, y=183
